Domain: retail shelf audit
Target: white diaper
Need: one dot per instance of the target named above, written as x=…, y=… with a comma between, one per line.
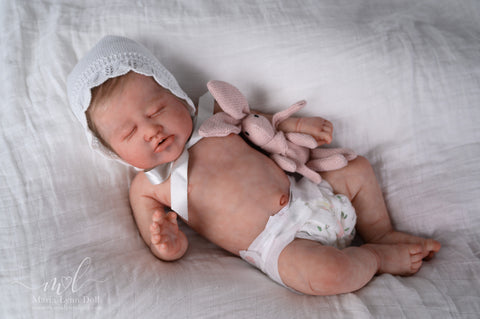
x=314, y=212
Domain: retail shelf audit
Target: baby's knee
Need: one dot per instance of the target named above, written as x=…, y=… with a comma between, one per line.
x=350, y=179
x=361, y=164
x=360, y=171
x=330, y=278
x=320, y=271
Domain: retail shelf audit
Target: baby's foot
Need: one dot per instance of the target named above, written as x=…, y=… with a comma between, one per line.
x=397, y=259
x=429, y=246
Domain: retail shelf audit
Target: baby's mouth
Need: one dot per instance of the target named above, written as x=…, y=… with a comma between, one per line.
x=164, y=143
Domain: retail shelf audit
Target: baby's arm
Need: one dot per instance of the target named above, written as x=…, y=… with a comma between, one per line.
x=320, y=128
x=159, y=230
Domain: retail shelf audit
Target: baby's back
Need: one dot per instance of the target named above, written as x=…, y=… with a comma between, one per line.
x=233, y=190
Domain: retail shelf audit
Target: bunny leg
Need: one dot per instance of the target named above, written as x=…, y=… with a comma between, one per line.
x=310, y=174
x=327, y=152
x=301, y=139
x=330, y=163
x=284, y=162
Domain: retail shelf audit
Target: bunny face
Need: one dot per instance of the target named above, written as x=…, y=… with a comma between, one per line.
x=258, y=129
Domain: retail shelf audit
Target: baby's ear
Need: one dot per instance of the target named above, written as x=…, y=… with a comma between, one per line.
x=229, y=98
x=220, y=124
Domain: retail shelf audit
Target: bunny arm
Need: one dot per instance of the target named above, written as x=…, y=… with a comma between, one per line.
x=309, y=173
x=284, y=162
x=289, y=165
x=329, y=159
x=302, y=139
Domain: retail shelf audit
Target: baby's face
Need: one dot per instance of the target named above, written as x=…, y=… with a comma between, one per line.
x=145, y=124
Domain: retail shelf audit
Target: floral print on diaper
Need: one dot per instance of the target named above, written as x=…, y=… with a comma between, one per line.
x=332, y=222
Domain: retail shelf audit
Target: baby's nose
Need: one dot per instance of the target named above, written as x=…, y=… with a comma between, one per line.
x=152, y=131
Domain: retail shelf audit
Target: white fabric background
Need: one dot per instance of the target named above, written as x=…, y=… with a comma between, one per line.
x=400, y=80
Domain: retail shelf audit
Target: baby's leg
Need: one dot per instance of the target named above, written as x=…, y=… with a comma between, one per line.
x=358, y=182
x=314, y=269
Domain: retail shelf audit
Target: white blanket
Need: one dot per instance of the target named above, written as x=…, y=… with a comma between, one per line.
x=400, y=80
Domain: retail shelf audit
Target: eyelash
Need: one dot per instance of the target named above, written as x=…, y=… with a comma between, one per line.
x=130, y=134
x=155, y=113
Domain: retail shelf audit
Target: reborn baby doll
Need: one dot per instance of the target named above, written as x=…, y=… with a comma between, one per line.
x=297, y=232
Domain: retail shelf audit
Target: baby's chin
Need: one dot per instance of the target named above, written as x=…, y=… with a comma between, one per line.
x=144, y=165
x=172, y=153
x=154, y=164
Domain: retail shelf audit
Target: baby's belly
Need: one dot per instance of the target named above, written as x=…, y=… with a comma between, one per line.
x=233, y=190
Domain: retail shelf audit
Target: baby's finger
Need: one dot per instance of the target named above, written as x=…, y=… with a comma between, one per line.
x=328, y=127
x=158, y=216
x=155, y=229
x=324, y=138
x=156, y=239
x=172, y=217
x=324, y=127
x=162, y=242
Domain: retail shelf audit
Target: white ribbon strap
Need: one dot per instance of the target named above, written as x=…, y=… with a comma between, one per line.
x=159, y=174
x=179, y=186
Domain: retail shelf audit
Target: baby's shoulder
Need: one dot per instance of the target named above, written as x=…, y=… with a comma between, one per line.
x=142, y=187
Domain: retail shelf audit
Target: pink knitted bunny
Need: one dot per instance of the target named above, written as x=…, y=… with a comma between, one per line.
x=293, y=152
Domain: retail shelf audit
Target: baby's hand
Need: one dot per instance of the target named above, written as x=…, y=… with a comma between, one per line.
x=319, y=128
x=167, y=241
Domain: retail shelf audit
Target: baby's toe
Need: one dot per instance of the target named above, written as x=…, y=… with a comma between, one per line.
x=415, y=249
x=416, y=257
x=415, y=266
x=429, y=256
x=430, y=247
x=434, y=245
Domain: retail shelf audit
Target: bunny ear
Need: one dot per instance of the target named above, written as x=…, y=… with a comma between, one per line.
x=281, y=116
x=220, y=124
x=229, y=98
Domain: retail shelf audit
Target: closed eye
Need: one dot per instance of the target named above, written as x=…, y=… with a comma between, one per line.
x=156, y=113
x=130, y=134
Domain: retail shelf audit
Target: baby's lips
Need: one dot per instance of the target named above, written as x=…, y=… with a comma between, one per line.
x=162, y=145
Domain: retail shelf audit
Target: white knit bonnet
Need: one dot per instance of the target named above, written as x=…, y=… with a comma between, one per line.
x=113, y=56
